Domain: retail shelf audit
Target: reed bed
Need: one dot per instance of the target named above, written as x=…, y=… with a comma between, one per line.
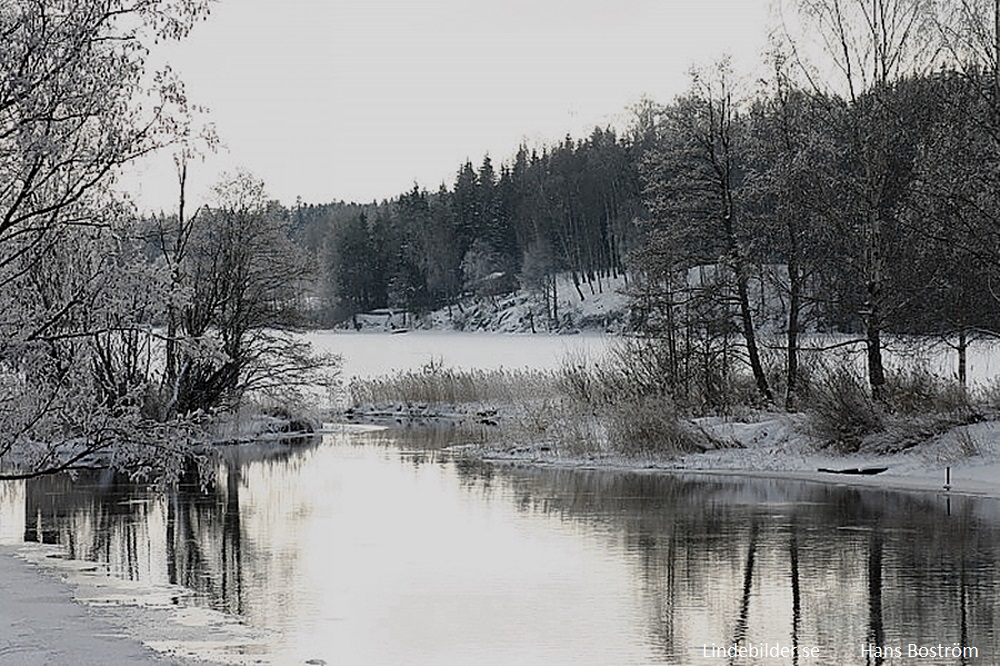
x=435, y=384
x=627, y=403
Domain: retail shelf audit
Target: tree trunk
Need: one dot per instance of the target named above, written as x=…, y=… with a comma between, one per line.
x=172, y=316
x=555, y=302
x=963, y=346
x=792, y=350
x=750, y=337
x=873, y=321
x=672, y=339
x=873, y=337
x=576, y=283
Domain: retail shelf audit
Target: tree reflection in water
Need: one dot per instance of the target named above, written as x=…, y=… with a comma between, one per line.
x=729, y=560
x=713, y=560
x=192, y=535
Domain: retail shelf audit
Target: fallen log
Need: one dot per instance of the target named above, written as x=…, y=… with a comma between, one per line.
x=854, y=470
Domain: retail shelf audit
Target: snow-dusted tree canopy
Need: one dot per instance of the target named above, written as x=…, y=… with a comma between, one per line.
x=78, y=299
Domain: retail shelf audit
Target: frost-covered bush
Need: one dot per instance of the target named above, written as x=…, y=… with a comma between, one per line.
x=917, y=390
x=651, y=426
x=988, y=395
x=585, y=382
x=634, y=369
x=841, y=410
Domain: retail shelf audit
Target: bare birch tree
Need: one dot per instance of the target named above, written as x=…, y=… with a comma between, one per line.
x=870, y=44
x=694, y=180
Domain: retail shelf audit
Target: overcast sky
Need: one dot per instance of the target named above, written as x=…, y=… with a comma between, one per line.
x=356, y=100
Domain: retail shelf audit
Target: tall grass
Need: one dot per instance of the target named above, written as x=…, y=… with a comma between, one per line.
x=583, y=408
x=435, y=384
x=916, y=404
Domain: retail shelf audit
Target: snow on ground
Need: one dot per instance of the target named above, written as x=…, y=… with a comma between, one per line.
x=114, y=621
x=780, y=446
x=599, y=306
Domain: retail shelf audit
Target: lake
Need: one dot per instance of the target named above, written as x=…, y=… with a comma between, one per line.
x=371, y=354
x=368, y=354
x=382, y=548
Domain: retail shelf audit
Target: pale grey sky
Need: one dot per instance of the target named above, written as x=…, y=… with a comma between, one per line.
x=358, y=99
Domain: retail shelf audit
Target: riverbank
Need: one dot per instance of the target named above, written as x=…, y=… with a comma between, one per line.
x=41, y=625
x=62, y=612
x=963, y=460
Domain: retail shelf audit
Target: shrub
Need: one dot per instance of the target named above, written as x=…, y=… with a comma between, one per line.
x=651, y=426
x=916, y=390
x=582, y=381
x=841, y=410
x=989, y=395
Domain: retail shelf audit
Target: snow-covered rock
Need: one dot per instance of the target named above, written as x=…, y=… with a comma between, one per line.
x=597, y=305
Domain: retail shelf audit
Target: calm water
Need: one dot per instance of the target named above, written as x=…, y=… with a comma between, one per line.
x=381, y=549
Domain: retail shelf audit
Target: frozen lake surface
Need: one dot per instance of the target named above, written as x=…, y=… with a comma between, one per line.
x=371, y=354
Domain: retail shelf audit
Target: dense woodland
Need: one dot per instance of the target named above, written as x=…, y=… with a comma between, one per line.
x=570, y=208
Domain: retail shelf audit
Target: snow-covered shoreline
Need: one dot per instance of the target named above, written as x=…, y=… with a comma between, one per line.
x=62, y=612
x=776, y=446
x=40, y=624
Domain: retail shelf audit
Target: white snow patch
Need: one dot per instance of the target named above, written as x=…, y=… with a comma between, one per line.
x=154, y=614
x=602, y=307
x=779, y=445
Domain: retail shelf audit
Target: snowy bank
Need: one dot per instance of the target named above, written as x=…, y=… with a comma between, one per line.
x=598, y=306
x=780, y=446
x=63, y=612
x=40, y=625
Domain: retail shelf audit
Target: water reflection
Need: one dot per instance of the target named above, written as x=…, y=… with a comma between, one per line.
x=386, y=549
x=752, y=561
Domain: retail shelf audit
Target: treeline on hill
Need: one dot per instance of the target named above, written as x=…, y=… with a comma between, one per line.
x=777, y=185
x=571, y=208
